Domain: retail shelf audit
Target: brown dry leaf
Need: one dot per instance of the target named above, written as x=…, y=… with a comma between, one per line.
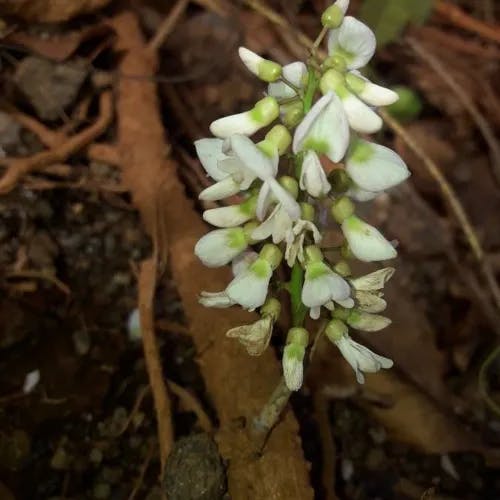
x=49, y=11
x=59, y=47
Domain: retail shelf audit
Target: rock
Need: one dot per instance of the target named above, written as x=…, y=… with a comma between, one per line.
x=49, y=87
x=194, y=470
x=50, y=11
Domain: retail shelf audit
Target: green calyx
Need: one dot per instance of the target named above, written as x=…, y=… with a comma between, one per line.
x=339, y=180
x=248, y=229
x=331, y=80
x=271, y=307
x=260, y=268
x=280, y=138
x=313, y=254
x=342, y=268
x=265, y=111
x=293, y=114
x=361, y=151
x=342, y=208
x=332, y=17
x=355, y=224
x=237, y=238
x=336, y=329
x=297, y=336
x=290, y=184
x=315, y=270
x=249, y=206
x=341, y=313
x=335, y=62
x=271, y=254
x=318, y=145
x=355, y=83
x=269, y=71
x=307, y=211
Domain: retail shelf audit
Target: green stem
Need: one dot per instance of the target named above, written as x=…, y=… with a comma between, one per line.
x=312, y=85
x=295, y=289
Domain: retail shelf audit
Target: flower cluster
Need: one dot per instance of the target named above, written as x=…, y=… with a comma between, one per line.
x=313, y=160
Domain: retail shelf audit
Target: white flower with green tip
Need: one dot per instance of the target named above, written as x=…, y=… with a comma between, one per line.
x=367, y=322
x=365, y=242
x=333, y=16
x=256, y=336
x=374, y=167
x=296, y=74
x=312, y=176
x=218, y=248
x=321, y=285
x=247, y=123
x=324, y=129
x=353, y=41
x=233, y=215
x=369, y=92
x=358, y=356
x=266, y=70
x=293, y=358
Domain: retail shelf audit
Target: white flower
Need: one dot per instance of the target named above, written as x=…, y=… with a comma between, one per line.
x=371, y=93
x=254, y=337
x=295, y=240
x=361, y=358
x=367, y=322
x=249, y=288
x=233, y=215
x=218, y=248
x=276, y=225
x=312, y=177
x=262, y=114
x=266, y=70
x=296, y=74
x=324, y=129
x=293, y=366
x=374, y=167
x=242, y=262
x=321, y=286
x=366, y=242
x=353, y=41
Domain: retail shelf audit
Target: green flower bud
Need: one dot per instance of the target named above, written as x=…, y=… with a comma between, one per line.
x=341, y=313
x=342, y=268
x=272, y=254
x=298, y=336
x=294, y=112
x=313, y=254
x=290, y=184
x=271, y=307
x=265, y=111
x=342, y=208
x=269, y=71
x=331, y=80
x=307, y=211
x=249, y=205
x=336, y=329
x=280, y=138
x=248, y=228
x=408, y=106
x=339, y=180
x=332, y=17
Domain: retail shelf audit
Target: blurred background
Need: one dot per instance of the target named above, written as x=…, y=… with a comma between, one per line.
x=100, y=104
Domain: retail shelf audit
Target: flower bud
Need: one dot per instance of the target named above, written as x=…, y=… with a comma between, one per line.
x=248, y=229
x=342, y=268
x=271, y=307
x=332, y=80
x=333, y=16
x=298, y=336
x=280, y=138
x=336, y=329
x=367, y=322
x=307, y=211
x=341, y=313
x=265, y=111
x=339, y=180
x=268, y=71
x=313, y=254
x=293, y=114
x=272, y=254
x=290, y=184
x=342, y=208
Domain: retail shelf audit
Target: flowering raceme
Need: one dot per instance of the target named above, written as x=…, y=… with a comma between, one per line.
x=314, y=112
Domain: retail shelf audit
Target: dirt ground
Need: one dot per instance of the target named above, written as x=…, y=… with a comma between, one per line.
x=100, y=104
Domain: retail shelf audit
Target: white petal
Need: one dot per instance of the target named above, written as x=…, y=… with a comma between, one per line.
x=210, y=153
x=293, y=370
x=375, y=168
x=343, y=5
x=218, y=248
x=339, y=288
x=361, y=117
x=252, y=157
x=220, y=190
x=373, y=281
x=366, y=242
x=243, y=261
x=315, y=312
x=263, y=201
x=367, y=322
x=376, y=95
x=250, y=59
x=254, y=337
x=31, y=381
x=276, y=225
x=226, y=216
x=241, y=123
x=249, y=289
x=324, y=126
x=295, y=73
x=354, y=40
x=285, y=199
x=347, y=303
x=219, y=300
x=313, y=178
x=322, y=285
x=370, y=302
x=358, y=194
x=316, y=292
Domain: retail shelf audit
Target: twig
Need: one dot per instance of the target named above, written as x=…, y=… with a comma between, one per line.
x=147, y=286
x=40, y=275
x=137, y=404
x=142, y=473
x=461, y=19
x=18, y=167
x=454, y=203
x=483, y=382
x=104, y=153
x=190, y=403
x=49, y=138
x=481, y=123
x=167, y=25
